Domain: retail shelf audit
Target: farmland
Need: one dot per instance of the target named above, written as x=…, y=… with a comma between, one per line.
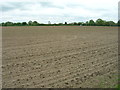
x=59, y=57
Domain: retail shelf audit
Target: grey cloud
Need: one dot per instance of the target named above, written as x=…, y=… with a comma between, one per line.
x=9, y=6
x=12, y=6
x=87, y=7
x=50, y=4
x=4, y=8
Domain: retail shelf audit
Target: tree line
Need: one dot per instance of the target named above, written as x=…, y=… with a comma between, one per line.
x=98, y=22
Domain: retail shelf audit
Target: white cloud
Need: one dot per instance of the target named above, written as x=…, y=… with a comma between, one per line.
x=58, y=10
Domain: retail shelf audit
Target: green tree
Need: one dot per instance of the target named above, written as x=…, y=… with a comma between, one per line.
x=86, y=23
x=24, y=23
x=35, y=23
x=3, y=24
x=65, y=23
x=91, y=23
x=80, y=23
x=111, y=23
x=8, y=24
x=100, y=22
x=60, y=23
x=18, y=24
x=30, y=23
x=118, y=23
x=75, y=23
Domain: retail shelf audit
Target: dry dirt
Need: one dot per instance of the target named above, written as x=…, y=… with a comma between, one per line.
x=59, y=57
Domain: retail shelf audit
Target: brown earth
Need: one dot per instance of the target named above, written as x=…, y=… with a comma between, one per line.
x=59, y=57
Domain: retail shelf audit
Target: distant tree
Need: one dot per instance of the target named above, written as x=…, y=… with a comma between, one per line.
x=3, y=24
x=24, y=23
x=100, y=22
x=65, y=23
x=0, y=24
x=111, y=23
x=107, y=23
x=30, y=23
x=18, y=24
x=54, y=24
x=80, y=23
x=75, y=23
x=83, y=24
x=91, y=23
x=35, y=23
x=118, y=23
x=8, y=23
x=71, y=23
x=86, y=23
x=60, y=23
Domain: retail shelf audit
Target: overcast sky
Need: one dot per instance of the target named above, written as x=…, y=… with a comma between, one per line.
x=58, y=10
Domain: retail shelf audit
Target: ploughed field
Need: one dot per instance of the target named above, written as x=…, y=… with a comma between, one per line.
x=59, y=57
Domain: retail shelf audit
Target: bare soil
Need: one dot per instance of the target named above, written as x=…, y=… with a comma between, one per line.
x=59, y=57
